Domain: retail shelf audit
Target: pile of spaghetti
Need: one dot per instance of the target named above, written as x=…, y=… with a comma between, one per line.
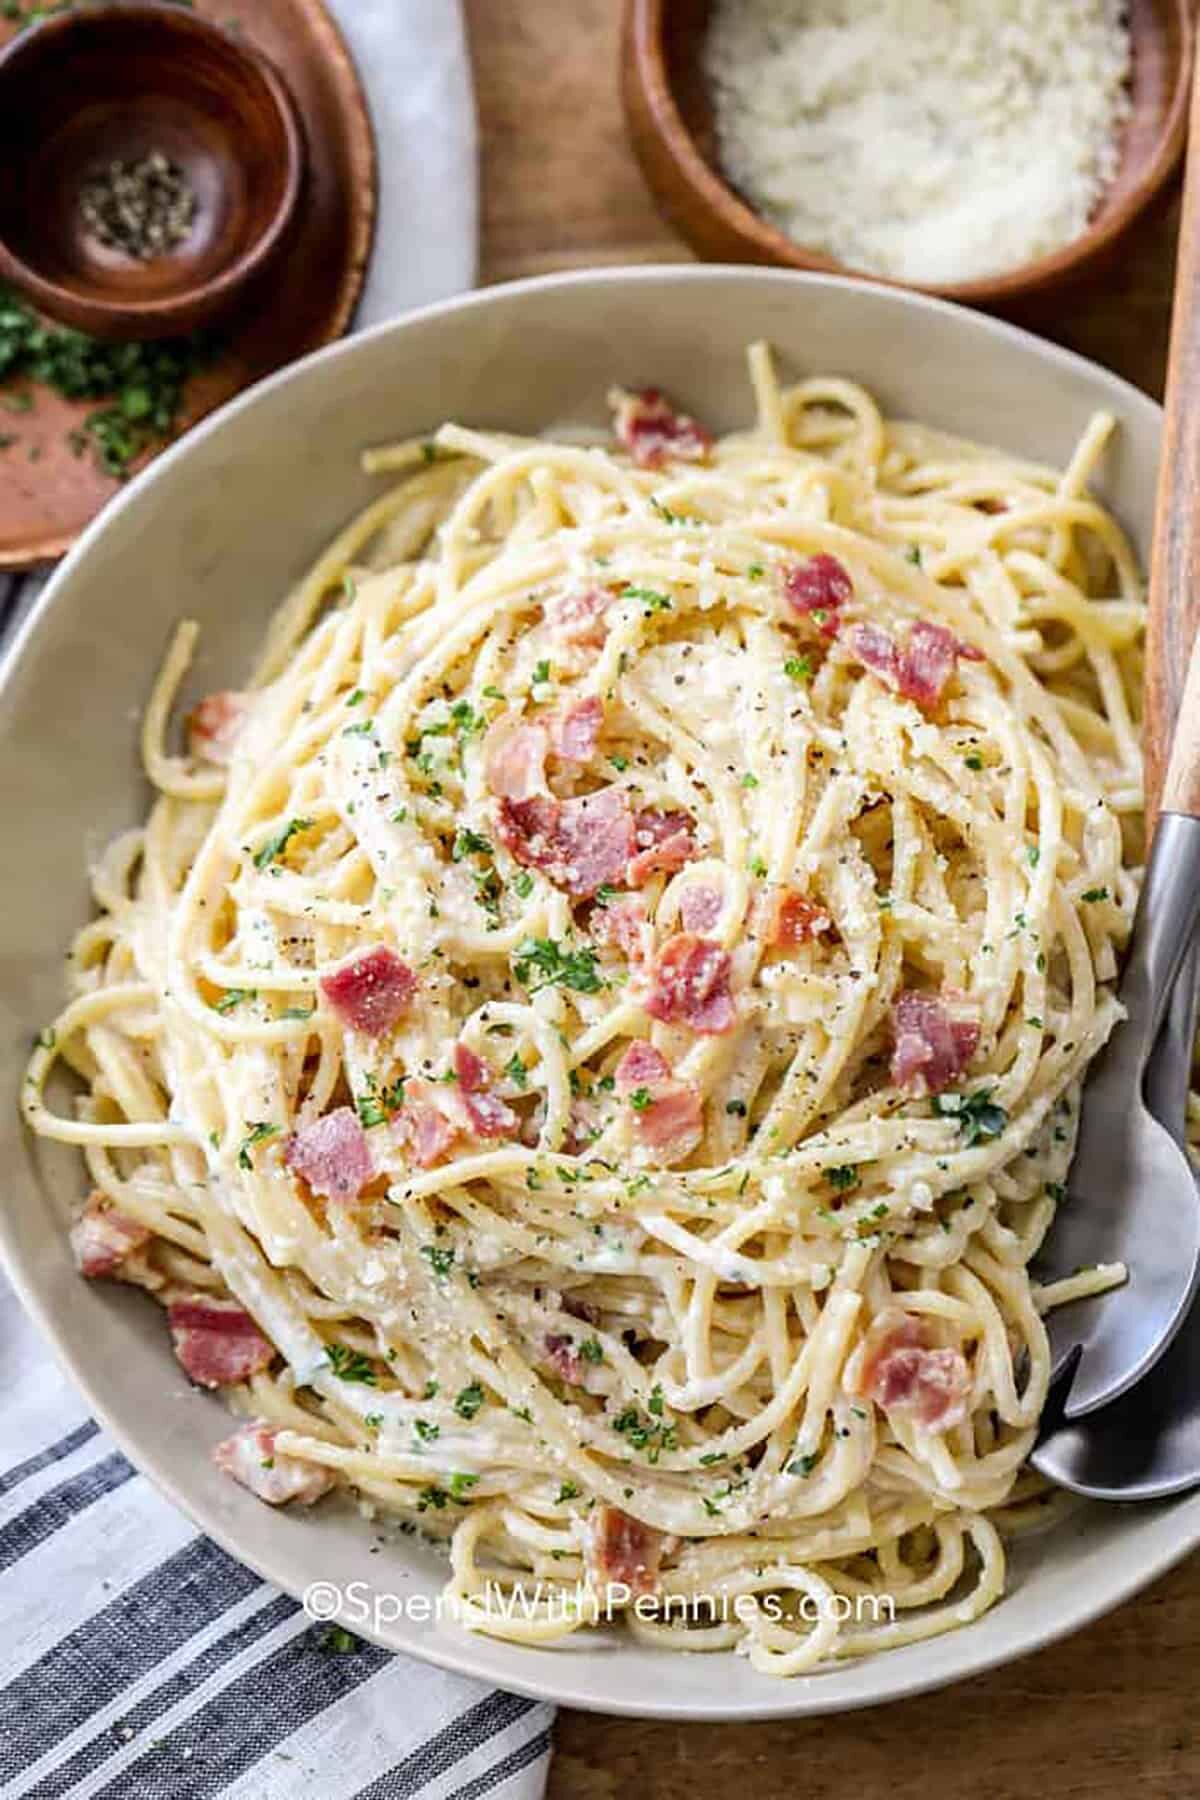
x=587, y=1044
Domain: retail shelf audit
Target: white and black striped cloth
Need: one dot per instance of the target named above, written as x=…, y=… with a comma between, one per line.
x=138, y=1661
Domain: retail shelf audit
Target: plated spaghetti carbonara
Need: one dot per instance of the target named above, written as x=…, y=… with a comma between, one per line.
x=587, y=1043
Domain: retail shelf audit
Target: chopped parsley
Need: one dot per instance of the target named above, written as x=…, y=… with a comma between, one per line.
x=468, y=1400
x=799, y=668
x=736, y=1108
x=425, y=1431
x=591, y=1350
x=843, y=1177
x=568, y=1491
x=804, y=1465
x=233, y=997
x=461, y=1484
x=350, y=1365
x=469, y=843
x=554, y=966
x=275, y=846
x=979, y=1120
x=523, y=885
x=516, y=1071
x=640, y=1099
x=257, y=1134
x=1100, y=893
x=441, y=1261
x=541, y=673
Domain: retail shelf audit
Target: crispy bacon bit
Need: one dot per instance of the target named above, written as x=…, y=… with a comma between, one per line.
x=213, y=726
x=669, y=1121
x=580, y=844
x=622, y=925
x=216, y=1340
x=422, y=1127
x=514, y=758
x=905, y=1371
x=579, y=618
x=251, y=1458
x=932, y=1046
x=371, y=991
x=107, y=1242
x=653, y=433
x=817, y=589
x=575, y=732
x=798, y=920
x=701, y=907
x=486, y=1113
x=332, y=1155
x=690, y=985
x=922, y=669
x=563, y=1357
x=664, y=842
x=640, y=1065
x=619, y=1551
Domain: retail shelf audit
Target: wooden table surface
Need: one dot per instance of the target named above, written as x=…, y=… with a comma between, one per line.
x=1111, y=1713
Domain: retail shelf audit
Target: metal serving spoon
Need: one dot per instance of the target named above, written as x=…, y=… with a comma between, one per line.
x=1131, y=1195
x=1146, y=1444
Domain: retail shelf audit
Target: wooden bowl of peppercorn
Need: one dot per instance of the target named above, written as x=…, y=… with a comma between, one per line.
x=152, y=168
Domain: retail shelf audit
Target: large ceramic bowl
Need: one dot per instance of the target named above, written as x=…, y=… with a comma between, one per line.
x=217, y=530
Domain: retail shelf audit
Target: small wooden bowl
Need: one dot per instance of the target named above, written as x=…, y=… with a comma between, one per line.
x=669, y=114
x=112, y=83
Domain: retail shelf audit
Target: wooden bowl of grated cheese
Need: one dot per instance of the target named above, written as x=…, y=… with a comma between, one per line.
x=943, y=145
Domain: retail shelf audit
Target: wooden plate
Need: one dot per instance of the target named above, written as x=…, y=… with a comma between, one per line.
x=48, y=493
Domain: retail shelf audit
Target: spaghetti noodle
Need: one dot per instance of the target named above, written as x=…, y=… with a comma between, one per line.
x=587, y=1046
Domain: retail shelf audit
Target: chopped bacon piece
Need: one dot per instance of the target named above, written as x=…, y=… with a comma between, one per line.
x=640, y=1065
x=922, y=669
x=251, y=1458
x=798, y=920
x=213, y=726
x=371, y=991
x=580, y=844
x=619, y=1551
x=932, y=1046
x=216, y=1340
x=816, y=589
x=691, y=985
x=622, y=925
x=107, y=1242
x=664, y=842
x=701, y=907
x=579, y=618
x=575, y=732
x=332, y=1155
x=514, y=758
x=422, y=1127
x=904, y=1370
x=581, y=1309
x=487, y=1114
x=563, y=1357
x=670, y=1117
x=653, y=433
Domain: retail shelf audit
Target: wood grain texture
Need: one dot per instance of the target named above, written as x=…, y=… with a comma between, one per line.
x=669, y=110
x=1175, y=578
x=1110, y=1714
x=47, y=493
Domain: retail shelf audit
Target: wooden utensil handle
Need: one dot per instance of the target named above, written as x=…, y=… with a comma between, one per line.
x=1181, y=785
x=1175, y=564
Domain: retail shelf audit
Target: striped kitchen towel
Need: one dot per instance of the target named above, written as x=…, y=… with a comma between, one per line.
x=138, y=1661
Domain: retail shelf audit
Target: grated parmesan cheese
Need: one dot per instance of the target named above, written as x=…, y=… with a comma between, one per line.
x=928, y=140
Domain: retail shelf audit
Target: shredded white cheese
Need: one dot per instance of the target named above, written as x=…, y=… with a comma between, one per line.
x=934, y=141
